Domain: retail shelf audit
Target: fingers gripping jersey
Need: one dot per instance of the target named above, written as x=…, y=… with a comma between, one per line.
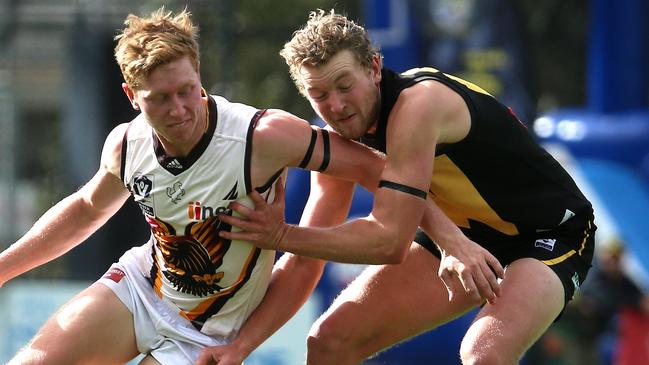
x=213, y=282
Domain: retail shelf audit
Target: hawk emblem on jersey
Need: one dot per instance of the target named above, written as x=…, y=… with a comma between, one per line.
x=192, y=260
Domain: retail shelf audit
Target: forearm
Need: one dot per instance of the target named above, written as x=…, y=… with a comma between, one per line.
x=60, y=229
x=293, y=281
x=383, y=237
x=362, y=241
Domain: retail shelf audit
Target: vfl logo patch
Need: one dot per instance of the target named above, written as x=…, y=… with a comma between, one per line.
x=547, y=243
x=142, y=186
x=141, y=189
x=114, y=274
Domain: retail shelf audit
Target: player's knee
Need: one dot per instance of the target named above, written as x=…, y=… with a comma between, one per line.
x=328, y=341
x=483, y=359
x=472, y=354
x=329, y=350
x=336, y=337
x=323, y=338
x=29, y=355
x=25, y=356
x=320, y=349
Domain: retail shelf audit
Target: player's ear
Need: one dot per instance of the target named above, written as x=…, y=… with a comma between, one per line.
x=130, y=94
x=375, y=68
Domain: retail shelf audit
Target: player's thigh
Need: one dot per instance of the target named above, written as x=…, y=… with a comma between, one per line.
x=93, y=327
x=532, y=297
x=149, y=360
x=389, y=303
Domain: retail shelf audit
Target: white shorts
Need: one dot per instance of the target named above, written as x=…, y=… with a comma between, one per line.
x=159, y=331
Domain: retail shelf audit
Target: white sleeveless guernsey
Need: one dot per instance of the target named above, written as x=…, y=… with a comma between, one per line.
x=215, y=283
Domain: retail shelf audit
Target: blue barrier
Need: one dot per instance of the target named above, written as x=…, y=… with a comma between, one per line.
x=622, y=137
x=626, y=196
x=618, y=53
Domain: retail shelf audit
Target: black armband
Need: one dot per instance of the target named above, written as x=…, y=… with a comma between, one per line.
x=326, y=151
x=309, y=151
x=403, y=188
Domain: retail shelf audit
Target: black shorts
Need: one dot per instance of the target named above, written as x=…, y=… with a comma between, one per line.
x=567, y=250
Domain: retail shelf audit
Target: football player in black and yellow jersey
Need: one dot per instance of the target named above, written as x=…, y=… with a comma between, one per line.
x=499, y=201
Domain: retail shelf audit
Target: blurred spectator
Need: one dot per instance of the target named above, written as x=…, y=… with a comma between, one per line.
x=606, y=324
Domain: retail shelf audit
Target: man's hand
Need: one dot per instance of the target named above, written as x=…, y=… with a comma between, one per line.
x=478, y=271
x=263, y=226
x=221, y=355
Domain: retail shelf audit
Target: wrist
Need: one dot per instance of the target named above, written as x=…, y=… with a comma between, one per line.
x=448, y=241
x=282, y=235
x=243, y=348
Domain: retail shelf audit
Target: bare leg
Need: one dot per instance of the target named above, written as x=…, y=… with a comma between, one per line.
x=383, y=306
x=531, y=298
x=92, y=328
x=149, y=360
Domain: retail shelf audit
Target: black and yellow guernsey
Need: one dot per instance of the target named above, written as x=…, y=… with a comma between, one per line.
x=497, y=182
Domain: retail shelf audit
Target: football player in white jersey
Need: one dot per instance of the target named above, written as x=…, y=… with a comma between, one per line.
x=183, y=159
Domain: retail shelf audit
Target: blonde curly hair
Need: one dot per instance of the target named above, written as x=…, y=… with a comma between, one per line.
x=322, y=37
x=146, y=43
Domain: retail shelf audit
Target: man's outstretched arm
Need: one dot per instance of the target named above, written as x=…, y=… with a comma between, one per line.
x=73, y=219
x=294, y=277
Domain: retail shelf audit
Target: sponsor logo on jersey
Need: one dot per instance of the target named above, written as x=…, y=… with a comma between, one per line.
x=197, y=211
x=147, y=210
x=174, y=164
x=176, y=192
x=546, y=243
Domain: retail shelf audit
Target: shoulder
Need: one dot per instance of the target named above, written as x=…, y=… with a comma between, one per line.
x=280, y=128
x=431, y=95
x=432, y=104
x=282, y=137
x=229, y=108
x=276, y=123
x=111, y=154
x=280, y=118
